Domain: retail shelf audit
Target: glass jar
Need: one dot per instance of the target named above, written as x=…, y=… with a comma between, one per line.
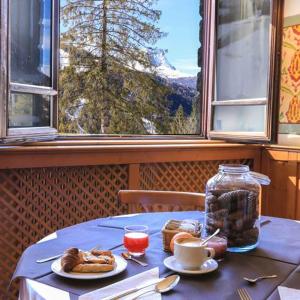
x=232, y=204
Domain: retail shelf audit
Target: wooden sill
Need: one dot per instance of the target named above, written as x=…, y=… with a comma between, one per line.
x=283, y=148
x=283, y=153
x=91, y=142
x=84, y=153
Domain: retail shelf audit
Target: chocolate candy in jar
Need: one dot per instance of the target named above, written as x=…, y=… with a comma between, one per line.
x=233, y=204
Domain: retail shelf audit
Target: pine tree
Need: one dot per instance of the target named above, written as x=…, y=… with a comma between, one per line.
x=107, y=39
x=194, y=119
x=182, y=124
x=179, y=122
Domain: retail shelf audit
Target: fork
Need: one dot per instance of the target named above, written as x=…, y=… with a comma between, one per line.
x=244, y=295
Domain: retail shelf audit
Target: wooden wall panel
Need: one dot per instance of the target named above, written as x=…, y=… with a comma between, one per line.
x=281, y=198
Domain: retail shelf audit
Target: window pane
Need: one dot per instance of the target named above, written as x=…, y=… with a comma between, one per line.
x=239, y=118
x=242, y=49
x=124, y=72
x=28, y=110
x=31, y=41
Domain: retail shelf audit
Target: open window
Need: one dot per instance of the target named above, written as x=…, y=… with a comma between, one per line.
x=241, y=63
x=29, y=33
x=239, y=58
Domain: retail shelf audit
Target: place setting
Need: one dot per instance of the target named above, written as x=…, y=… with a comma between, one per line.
x=96, y=264
x=192, y=256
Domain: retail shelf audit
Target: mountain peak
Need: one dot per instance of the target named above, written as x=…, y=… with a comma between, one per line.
x=158, y=58
x=164, y=68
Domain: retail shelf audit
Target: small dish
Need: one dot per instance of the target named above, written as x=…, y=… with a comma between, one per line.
x=120, y=262
x=209, y=266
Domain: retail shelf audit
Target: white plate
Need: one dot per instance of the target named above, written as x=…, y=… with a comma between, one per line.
x=120, y=262
x=209, y=266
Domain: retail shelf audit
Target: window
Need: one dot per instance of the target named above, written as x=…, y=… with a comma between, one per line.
x=243, y=68
x=129, y=67
x=139, y=68
x=30, y=65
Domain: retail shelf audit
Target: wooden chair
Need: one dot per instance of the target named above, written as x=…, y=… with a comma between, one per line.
x=153, y=201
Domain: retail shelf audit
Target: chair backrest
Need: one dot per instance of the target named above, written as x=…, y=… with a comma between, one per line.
x=152, y=201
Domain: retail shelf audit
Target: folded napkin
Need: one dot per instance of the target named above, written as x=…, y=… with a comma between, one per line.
x=138, y=280
x=288, y=293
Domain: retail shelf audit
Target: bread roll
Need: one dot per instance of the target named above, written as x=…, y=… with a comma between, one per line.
x=102, y=259
x=93, y=268
x=102, y=252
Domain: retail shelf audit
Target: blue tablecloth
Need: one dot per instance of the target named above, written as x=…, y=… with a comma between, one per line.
x=278, y=253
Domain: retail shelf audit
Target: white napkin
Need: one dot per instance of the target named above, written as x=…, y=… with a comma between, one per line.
x=288, y=293
x=126, y=284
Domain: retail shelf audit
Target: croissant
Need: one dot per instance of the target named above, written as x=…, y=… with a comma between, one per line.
x=71, y=258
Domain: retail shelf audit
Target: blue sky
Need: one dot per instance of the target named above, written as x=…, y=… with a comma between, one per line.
x=180, y=18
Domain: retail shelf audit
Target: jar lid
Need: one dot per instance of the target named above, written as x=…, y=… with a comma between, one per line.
x=261, y=178
x=234, y=168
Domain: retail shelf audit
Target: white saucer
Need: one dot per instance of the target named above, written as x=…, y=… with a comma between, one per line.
x=209, y=266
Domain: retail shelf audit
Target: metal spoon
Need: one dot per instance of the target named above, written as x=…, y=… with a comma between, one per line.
x=210, y=237
x=126, y=255
x=163, y=286
x=254, y=280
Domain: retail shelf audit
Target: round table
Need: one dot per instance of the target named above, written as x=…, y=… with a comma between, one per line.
x=278, y=253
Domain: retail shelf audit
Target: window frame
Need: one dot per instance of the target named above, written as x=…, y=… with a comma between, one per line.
x=22, y=134
x=209, y=78
x=205, y=84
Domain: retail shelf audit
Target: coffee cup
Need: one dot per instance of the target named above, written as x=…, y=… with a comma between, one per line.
x=190, y=254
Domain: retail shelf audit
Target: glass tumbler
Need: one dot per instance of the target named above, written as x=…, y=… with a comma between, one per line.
x=136, y=239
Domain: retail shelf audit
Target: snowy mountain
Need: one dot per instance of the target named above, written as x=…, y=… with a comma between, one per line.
x=183, y=86
x=158, y=58
x=165, y=69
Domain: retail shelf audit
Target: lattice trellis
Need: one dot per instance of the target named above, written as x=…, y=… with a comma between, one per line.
x=36, y=202
x=181, y=176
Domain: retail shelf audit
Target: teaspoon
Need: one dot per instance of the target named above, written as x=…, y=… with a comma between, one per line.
x=254, y=280
x=210, y=237
x=126, y=255
x=163, y=286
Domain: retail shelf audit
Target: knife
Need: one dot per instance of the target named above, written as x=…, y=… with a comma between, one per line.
x=265, y=222
x=39, y=261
